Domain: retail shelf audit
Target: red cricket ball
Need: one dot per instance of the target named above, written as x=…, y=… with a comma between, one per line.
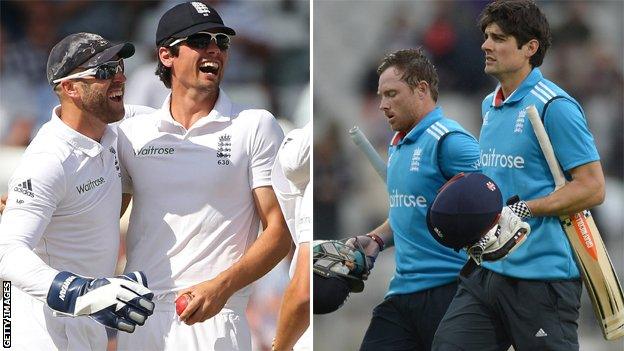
x=181, y=303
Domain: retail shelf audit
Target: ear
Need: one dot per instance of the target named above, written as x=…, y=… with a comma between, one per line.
x=530, y=48
x=70, y=88
x=422, y=89
x=165, y=56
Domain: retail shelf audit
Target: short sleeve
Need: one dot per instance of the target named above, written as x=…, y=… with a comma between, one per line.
x=264, y=146
x=458, y=152
x=569, y=134
x=294, y=156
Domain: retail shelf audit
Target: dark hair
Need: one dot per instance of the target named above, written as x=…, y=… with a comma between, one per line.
x=415, y=66
x=521, y=19
x=163, y=72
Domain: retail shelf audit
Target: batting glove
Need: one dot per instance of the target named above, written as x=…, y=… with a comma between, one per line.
x=502, y=239
x=121, y=302
x=519, y=207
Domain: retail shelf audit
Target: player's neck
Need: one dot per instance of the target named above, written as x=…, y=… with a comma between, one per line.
x=82, y=122
x=190, y=105
x=512, y=80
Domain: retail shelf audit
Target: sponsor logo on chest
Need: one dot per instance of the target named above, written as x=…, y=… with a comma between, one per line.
x=406, y=200
x=154, y=151
x=90, y=184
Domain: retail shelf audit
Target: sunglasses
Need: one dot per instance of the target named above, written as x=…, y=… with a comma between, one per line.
x=202, y=40
x=106, y=70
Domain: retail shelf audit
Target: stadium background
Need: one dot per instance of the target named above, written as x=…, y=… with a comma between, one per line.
x=268, y=68
x=350, y=38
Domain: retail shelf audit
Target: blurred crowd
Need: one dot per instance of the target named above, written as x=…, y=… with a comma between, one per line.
x=351, y=38
x=268, y=68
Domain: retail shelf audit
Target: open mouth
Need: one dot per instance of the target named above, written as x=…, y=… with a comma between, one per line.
x=209, y=67
x=116, y=96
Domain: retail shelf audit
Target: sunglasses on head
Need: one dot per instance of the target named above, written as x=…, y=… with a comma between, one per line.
x=202, y=40
x=106, y=70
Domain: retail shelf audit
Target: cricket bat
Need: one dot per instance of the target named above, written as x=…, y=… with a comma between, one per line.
x=360, y=140
x=599, y=277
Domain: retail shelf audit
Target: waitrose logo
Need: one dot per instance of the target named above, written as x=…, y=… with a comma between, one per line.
x=91, y=184
x=150, y=150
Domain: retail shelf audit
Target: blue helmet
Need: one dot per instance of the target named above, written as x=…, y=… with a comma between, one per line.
x=466, y=207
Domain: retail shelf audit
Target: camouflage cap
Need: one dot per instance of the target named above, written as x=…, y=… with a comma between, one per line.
x=84, y=50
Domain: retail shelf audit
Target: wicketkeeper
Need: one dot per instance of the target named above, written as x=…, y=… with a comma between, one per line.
x=60, y=227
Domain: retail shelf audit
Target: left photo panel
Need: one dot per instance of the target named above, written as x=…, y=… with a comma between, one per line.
x=155, y=169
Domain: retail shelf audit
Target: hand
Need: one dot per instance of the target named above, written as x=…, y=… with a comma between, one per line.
x=502, y=239
x=207, y=299
x=121, y=302
x=369, y=246
x=519, y=207
x=3, y=201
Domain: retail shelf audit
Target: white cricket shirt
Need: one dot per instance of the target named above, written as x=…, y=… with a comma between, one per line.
x=62, y=212
x=290, y=178
x=193, y=212
x=291, y=183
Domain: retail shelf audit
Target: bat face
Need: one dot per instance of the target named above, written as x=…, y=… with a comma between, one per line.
x=599, y=277
x=578, y=223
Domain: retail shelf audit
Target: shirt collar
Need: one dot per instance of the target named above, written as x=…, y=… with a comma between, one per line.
x=429, y=119
x=221, y=112
x=523, y=89
x=79, y=141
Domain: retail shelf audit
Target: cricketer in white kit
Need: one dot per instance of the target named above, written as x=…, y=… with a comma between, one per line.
x=193, y=214
x=199, y=171
x=291, y=183
x=60, y=226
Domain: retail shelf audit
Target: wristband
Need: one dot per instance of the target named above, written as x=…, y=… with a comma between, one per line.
x=378, y=240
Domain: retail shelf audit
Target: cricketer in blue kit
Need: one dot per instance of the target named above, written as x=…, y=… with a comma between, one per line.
x=531, y=299
x=426, y=151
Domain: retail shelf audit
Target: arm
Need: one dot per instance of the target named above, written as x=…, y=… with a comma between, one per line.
x=24, y=221
x=575, y=150
x=125, y=201
x=586, y=190
x=272, y=245
x=294, y=315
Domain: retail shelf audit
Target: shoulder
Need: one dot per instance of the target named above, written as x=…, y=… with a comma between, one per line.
x=487, y=101
x=47, y=145
x=139, y=121
x=136, y=110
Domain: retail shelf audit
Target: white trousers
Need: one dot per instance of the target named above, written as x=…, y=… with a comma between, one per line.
x=227, y=331
x=33, y=327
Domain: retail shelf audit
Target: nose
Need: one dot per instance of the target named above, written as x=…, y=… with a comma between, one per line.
x=119, y=77
x=487, y=45
x=213, y=48
x=383, y=104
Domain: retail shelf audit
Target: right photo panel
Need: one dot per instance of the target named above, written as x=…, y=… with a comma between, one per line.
x=468, y=175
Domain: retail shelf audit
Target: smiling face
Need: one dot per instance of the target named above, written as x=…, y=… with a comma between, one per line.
x=196, y=68
x=103, y=98
x=399, y=102
x=503, y=58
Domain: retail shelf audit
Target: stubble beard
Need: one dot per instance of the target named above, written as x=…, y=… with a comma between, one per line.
x=97, y=103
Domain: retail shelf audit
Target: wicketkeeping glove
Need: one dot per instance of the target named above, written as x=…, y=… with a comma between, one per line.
x=334, y=258
x=121, y=302
x=502, y=239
